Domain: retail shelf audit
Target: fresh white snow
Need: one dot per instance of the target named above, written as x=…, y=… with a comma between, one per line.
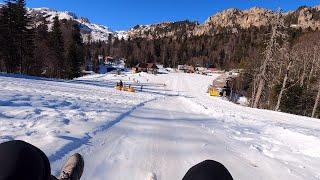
x=158, y=133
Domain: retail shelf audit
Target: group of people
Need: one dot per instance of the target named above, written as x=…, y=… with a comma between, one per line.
x=22, y=161
x=120, y=84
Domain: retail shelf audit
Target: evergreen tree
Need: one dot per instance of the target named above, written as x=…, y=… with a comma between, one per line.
x=42, y=50
x=72, y=58
x=57, y=46
x=75, y=53
x=17, y=43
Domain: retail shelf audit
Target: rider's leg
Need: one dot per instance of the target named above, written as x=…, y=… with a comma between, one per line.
x=20, y=160
x=73, y=168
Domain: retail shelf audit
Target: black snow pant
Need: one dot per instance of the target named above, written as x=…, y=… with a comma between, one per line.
x=208, y=170
x=22, y=161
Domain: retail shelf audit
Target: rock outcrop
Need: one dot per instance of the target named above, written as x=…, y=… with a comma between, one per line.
x=231, y=19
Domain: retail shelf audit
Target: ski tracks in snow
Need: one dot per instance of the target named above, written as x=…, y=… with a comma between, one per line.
x=157, y=134
x=160, y=140
x=78, y=142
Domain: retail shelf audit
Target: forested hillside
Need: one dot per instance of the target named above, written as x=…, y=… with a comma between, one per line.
x=28, y=47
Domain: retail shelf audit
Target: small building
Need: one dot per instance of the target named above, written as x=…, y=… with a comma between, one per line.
x=152, y=68
x=108, y=64
x=135, y=70
x=161, y=69
x=215, y=71
x=108, y=60
x=160, y=66
x=115, y=62
x=146, y=67
x=186, y=68
x=182, y=67
x=141, y=67
x=100, y=59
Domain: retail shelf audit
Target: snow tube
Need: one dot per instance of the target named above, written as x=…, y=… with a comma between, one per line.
x=214, y=92
x=131, y=89
x=118, y=88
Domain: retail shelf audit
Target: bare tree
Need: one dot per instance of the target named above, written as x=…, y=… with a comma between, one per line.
x=272, y=48
x=316, y=104
x=317, y=63
x=289, y=65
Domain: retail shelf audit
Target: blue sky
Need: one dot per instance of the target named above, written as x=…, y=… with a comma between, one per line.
x=123, y=14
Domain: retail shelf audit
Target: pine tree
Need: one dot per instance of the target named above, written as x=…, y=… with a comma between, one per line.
x=6, y=43
x=8, y=38
x=75, y=53
x=42, y=50
x=73, y=61
x=57, y=46
x=17, y=43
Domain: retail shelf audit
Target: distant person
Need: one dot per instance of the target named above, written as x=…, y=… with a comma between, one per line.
x=141, y=88
x=22, y=161
x=121, y=84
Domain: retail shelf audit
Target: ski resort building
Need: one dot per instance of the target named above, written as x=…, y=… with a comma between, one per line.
x=151, y=68
x=186, y=68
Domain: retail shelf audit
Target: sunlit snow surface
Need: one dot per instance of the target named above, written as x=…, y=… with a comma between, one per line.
x=162, y=131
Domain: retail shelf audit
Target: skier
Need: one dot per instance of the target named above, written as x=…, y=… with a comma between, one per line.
x=22, y=161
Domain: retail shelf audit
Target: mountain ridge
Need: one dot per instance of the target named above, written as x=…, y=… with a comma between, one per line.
x=303, y=17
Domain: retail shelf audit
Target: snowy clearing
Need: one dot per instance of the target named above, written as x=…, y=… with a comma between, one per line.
x=162, y=131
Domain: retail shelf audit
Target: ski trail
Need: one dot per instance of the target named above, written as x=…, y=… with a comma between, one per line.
x=161, y=139
x=150, y=140
x=78, y=142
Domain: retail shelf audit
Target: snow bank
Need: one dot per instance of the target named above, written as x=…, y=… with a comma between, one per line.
x=60, y=116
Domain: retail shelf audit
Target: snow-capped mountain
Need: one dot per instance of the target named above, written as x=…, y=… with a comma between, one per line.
x=304, y=17
x=89, y=31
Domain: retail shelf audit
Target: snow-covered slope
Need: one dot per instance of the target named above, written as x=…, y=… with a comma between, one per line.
x=96, y=31
x=162, y=131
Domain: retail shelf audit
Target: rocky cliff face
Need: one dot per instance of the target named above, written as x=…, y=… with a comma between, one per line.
x=308, y=17
x=166, y=29
x=244, y=19
x=231, y=19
